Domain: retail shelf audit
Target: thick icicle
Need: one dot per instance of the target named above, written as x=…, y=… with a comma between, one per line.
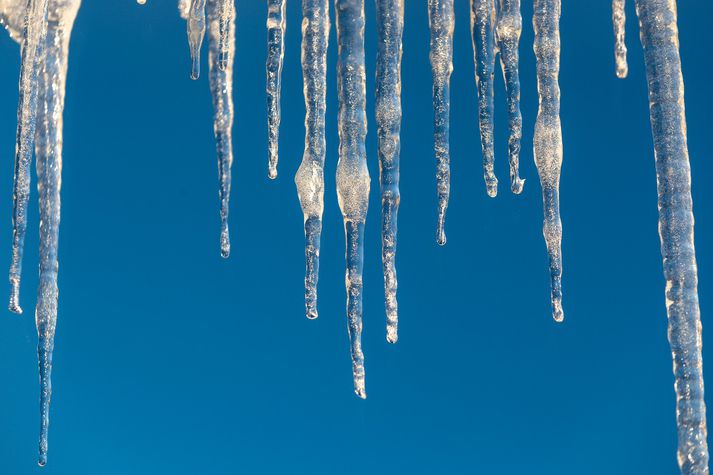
x=482, y=23
x=310, y=175
x=659, y=37
x=48, y=150
x=352, y=173
x=275, y=54
x=226, y=17
x=33, y=39
x=221, y=88
x=195, y=25
x=441, y=20
x=548, y=136
x=390, y=27
x=508, y=28
x=619, y=20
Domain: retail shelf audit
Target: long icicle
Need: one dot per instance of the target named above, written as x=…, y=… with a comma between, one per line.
x=659, y=38
x=390, y=28
x=275, y=55
x=221, y=88
x=548, y=136
x=195, y=25
x=352, y=172
x=33, y=39
x=48, y=150
x=508, y=28
x=441, y=20
x=226, y=16
x=309, y=178
x=482, y=24
x=619, y=20
x=12, y=17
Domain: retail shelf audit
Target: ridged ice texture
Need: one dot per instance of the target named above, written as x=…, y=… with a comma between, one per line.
x=390, y=28
x=441, y=21
x=48, y=150
x=352, y=173
x=226, y=16
x=195, y=24
x=482, y=24
x=659, y=37
x=619, y=20
x=275, y=55
x=221, y=89
x=12, y=17
x=548, y=136
x=508, y=28
x=309, y=178
x=33, y=39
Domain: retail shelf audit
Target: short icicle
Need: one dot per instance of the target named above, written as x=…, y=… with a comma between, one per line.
x=659, y=38
x=221, y=88
x=226, y=17
x=548, y=136
x=352, y=172
x=309, y=178
x=390, y=27
x=195, y=25
x=482, y=24
x=33, y=40
x=275, y=56
x=48, y=150
x=441, y=20
x=619, y=20
x=508, y=28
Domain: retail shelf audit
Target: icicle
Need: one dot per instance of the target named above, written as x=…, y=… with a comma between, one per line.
x=226, y=14
x=507, y=35
x=619, y=20
x=221, y=88
x=390, y=26
x=12, y=17
x=659, y=37
x=275, y=55
x=184, y=7
x=352, y=173
x=141, y=2
x=310, y=175
x=48, y=150
x=548, y=136
x=34, y=34
x=441, y=20
x=482, y=13
x=196, y=31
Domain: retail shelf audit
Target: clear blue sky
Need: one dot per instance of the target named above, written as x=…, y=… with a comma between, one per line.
x=170, y=360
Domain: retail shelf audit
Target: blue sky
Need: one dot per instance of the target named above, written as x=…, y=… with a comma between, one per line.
x=171, y=360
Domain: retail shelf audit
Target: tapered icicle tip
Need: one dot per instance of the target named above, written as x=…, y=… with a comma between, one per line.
x=557, y=312
x=517, y=185
x=195, y=67
x=491, y=186
x=14, y=305
x=392, y=335
x=272, y=167
x=140, y=2
x=359, y=386
x=44, y=353
x=441, y=229
x=224, y=243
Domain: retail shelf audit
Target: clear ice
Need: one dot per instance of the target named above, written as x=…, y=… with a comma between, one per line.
x=309, y=178
x=226, y=16
x=441, y=20
x=390, y=27
x=619, y=20
x=275, y=53
x=548, y=136
x=195, y=25
x=352, y=173
x=659, y=38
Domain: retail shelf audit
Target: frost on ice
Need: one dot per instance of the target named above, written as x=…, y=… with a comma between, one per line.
x=275, y=54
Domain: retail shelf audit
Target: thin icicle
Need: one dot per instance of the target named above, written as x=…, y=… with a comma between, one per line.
x=221, y=88
x=275, y=55
x=659, y=37
x=507, y=36
x=441, y=20
x=310, y=175
x=195, y=25
x=34, y=34
x=619, y=20
x=390, y=27
x=548, y=136
x=482, y=24
x=48, y=150
x=226, y=16
x=352, y=172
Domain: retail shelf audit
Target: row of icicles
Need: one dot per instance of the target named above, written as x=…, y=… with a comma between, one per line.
x=43, y=28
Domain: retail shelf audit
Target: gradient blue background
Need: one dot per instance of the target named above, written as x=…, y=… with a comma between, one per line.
x=170, y=360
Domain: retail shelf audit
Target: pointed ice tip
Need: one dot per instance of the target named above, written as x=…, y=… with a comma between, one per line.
x=42, y=461
x=622, y=73
x=312, y=313
x=492, y=188
x=517, y=185
x=360, y=391
x=195, y=68
x=14, y=305
x=557, y=312
x=272, y=173
x=441, y=237
x=391, y=335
